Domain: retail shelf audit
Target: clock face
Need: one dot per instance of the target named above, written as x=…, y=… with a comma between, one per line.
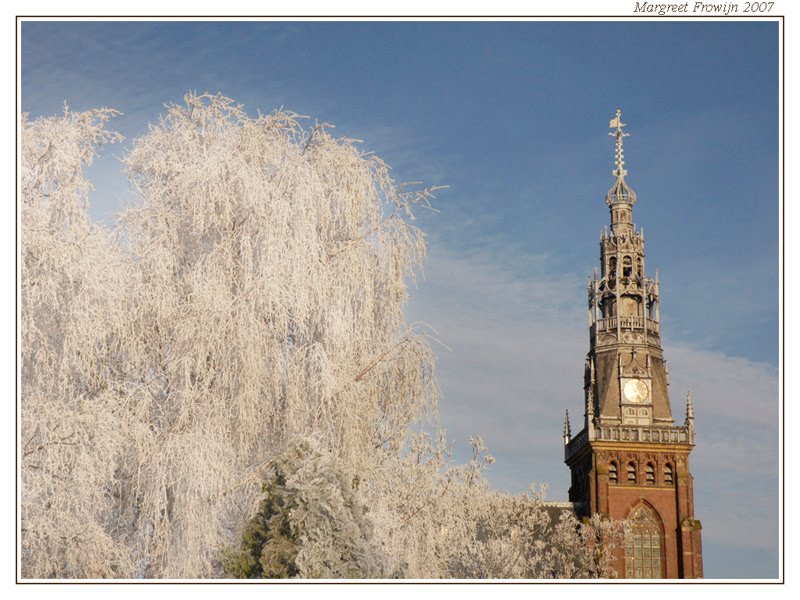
x=636, y=390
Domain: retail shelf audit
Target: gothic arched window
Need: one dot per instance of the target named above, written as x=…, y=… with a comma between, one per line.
x=627, y=266
x=631, y=473
x=643, y=545
x=612, y=472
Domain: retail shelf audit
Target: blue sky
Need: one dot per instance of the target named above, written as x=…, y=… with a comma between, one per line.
x=513, y=117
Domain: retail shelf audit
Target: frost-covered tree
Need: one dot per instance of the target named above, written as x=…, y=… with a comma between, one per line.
x=441, y=521
x=312, y=522
x=257, y=297
x=75, y=300
x=433, y=521
x=272, y=265
x=233, y=364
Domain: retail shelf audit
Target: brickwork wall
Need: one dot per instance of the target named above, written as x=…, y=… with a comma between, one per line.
x=672, y=502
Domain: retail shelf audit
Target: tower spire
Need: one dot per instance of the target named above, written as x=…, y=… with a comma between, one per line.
x=567, y=432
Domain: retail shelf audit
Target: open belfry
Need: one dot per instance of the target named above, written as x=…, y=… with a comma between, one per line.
x=630, y=460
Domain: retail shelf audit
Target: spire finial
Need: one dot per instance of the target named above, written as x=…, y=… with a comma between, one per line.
x=620, y=192
x=689, y=407
x=616, y=123
x=567, y=432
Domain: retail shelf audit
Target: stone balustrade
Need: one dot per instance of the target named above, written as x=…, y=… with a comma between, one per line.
x=610, y=324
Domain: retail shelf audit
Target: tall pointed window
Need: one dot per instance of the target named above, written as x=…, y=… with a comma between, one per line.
x=643, y=545
x=612, y=472
x=668, y=474
x=631, y=473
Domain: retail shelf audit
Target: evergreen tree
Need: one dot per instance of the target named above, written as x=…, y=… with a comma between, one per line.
x=311, y=523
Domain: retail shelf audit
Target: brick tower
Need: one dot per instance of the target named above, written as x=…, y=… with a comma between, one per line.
x=630, y=460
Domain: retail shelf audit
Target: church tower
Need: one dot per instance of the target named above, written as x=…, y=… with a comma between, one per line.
x=630, y=460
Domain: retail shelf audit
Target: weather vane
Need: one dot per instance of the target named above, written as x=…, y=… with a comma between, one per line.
x=616, y=123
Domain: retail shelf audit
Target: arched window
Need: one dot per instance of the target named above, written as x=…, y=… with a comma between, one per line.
x=643, y=544
x=650, y=474
x=612, y=472
x=668, y=474
x=631, y=473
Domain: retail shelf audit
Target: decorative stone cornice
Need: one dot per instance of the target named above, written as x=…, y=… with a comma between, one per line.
x=680, y=435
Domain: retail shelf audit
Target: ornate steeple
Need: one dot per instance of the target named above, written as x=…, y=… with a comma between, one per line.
x=630, y=460
x=628, y=380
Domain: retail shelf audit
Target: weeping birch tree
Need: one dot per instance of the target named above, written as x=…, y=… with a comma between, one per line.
x=272, y=262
